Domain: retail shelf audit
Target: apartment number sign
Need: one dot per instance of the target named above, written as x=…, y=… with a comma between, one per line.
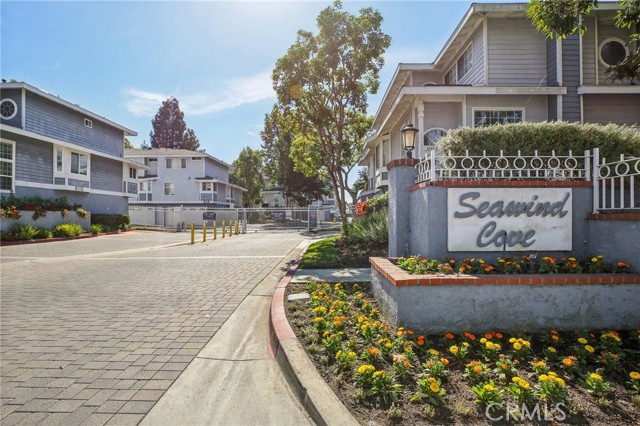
x=509, y=219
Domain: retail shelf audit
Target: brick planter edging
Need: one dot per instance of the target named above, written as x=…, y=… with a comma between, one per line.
x=400, y=278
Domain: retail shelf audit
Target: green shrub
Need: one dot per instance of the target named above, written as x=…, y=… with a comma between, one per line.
x=111, y=221
x=373, y=228
x=96, y=229
x=67, y=230
x=21, y=232
x=612, y=139
x=43, y=234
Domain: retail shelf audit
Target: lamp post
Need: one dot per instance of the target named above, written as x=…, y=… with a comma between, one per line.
x=409, y=134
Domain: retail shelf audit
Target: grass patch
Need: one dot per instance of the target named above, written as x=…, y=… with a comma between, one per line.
x=321, y=255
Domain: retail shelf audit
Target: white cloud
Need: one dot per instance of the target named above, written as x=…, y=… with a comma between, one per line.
x=236, y=92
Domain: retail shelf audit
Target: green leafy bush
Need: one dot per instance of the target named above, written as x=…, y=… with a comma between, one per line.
x=22, y=232
x=67, y=230
x=43, y=234
x=96, y=229
x=111, y=221
x=370, y=229
x=612, y=139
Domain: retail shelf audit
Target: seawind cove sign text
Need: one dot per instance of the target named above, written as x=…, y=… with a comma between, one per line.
x=509, y=219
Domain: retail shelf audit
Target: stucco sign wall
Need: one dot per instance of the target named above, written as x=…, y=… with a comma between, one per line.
x=509, y=219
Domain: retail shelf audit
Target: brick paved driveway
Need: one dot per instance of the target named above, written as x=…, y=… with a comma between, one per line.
x=94, y=331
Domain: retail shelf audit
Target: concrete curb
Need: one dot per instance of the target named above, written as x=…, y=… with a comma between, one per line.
x=314, y=394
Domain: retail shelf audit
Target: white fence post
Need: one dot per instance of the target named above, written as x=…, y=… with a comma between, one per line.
x=596, y=176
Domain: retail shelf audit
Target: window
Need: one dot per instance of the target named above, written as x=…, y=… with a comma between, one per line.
x=196, y=158
x=153, y=160
x=79, y=164
x=145, y=186
x=132, y=173
x=88, y=123
x=464, y=63
x=452, y=77
x=431, y=135
x=58, y=160
x=385, y=152
x=209, y=186
x=169, y=189
x=8, y=109
x=176, y=163
x=6, y=166
x=487, y=117
x=612, y=52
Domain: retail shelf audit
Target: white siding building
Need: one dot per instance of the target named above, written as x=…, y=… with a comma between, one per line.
x=179, y=176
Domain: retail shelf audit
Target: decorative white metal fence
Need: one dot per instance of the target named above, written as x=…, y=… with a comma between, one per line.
x=615, y=183
x=447, y=166
x=615, y=186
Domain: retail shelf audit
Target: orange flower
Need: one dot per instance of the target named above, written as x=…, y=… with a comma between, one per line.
x=488, y=335
x=554, y=331
x=477, y=369
x=555, y=337
x=449, y=336
x=499, y=335
x=410, y=332
x=444, y=361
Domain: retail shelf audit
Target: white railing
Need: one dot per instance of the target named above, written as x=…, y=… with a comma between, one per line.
x=615, y=183
x=446, y=166
x=614, y=186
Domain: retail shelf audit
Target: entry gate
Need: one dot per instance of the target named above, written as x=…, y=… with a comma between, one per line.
x=253, y=220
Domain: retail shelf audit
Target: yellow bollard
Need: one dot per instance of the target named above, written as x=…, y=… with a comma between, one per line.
x=204, y=232
x=236, y=226
x=193, y=233
x=230, y=228
x=215, y=230
x=223, y=229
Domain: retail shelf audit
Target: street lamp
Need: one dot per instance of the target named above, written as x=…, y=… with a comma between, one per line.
x=409, y=134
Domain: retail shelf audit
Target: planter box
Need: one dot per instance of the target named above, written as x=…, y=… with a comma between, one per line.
x=50, y=221
x=456, y=303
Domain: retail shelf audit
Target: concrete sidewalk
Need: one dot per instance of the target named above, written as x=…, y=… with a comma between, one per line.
x=235, y=380
x=348, y=275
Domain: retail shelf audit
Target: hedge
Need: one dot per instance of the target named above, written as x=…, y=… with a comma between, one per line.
x=612, y=139
x=110, y=221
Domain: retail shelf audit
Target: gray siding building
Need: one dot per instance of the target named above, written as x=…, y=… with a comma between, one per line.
x=53, y=148
x=496, y=68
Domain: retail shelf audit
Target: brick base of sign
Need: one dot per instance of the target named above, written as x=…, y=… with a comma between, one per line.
x=455, y=303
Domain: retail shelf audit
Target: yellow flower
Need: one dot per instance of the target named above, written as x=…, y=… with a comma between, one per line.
x=517, y=346
x=454, y=349
x=540, y=364
x=594, y=260
x=589, y=348
x=543, y=377
x=512, y=340
x=582, y=340
x=559, y=381
x=433, y=352
x=434, y=387
x=465, y=344
x=551, y=349
x=365, y=368
x=378, y=373
x=524, y=384
x=489, y=345
x=489, y=388
x=634, y=375
x=596, y=377
x=483, y=340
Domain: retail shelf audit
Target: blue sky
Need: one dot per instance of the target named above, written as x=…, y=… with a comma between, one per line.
x=121, y=59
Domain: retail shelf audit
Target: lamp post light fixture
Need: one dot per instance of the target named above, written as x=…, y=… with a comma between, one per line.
x=409, y=134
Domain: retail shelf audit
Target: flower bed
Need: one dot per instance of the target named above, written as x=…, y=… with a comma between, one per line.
x=384, y=374
x=435, y=303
